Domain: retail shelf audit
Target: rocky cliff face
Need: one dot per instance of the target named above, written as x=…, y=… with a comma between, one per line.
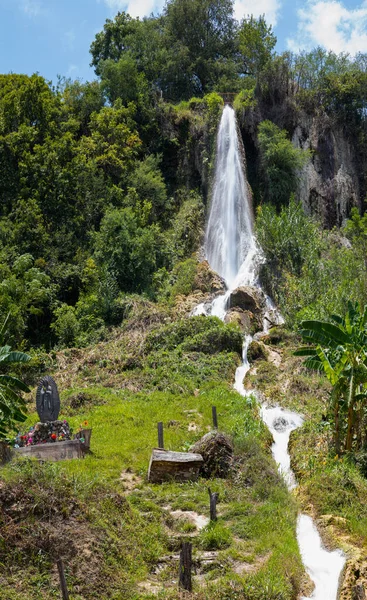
x=329, y=183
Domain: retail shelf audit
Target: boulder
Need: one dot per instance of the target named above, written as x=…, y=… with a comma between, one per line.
x=217, y=452
x=179, y=466
x=248, y=323
x=257, y=351
x=206, y=280
x=246, y=298
x=280, y=424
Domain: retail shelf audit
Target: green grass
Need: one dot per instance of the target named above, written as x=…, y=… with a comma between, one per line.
x=113, y=525
x=134, y=531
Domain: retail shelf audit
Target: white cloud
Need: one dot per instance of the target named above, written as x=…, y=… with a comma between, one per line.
x=136, y=8
x=72, y=70
x=32, y=8
x=269, y=8
x=330, y=24
x=69, y=39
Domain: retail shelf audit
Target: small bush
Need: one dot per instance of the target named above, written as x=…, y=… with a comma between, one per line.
x=215, y=536
x=198, y=334
x=281, y=163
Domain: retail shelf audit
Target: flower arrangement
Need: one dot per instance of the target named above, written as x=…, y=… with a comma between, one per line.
x=43, y=433
x=81, y=431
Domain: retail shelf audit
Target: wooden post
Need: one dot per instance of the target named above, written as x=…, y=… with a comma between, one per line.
x=215, y=418
x=64, y=589
x=213, y=504
x=185, y=566
x=160, y=436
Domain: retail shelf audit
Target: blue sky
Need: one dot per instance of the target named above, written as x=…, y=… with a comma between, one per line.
x=53, y=37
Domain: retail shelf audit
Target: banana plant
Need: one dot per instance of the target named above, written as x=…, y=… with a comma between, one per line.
x=339, y=349
x=12, y=404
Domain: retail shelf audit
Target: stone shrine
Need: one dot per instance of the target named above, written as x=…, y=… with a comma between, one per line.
x=47, y=400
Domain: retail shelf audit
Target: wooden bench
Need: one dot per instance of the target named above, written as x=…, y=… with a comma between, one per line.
x=179, y=466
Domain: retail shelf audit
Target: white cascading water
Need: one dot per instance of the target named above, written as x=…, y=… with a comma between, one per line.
x=229, y=233
x=232, y=252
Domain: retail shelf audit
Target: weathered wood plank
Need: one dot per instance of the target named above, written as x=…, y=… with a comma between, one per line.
x=181, y=457
x=57, y=451
x=184, y=580
x=181, y=466
x=64, y=587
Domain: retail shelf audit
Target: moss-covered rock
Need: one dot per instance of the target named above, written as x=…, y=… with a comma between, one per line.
x=257, y=351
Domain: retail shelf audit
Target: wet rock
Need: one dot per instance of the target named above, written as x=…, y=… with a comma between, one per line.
x=257, y=351
x=280, y=424
x=207, y=280
x=247, y=298
x=217, y=452
x=246, y=320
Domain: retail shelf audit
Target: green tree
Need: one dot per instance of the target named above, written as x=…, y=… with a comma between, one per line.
x=123, y=80
x=281, y=163
x=129, y=249
x=114, y=40
x=12, y=404
x=256, y=44
x=206, y=31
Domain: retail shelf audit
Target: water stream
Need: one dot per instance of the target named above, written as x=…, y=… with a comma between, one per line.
x=232, y=252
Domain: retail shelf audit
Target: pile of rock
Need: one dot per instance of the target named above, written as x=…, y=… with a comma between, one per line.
x=246, y=307
x=217, y=452
x=44, y=433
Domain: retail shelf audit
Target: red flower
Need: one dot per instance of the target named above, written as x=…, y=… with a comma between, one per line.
x=53, y=436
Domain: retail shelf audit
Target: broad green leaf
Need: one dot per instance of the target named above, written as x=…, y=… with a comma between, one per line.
x=326, y=330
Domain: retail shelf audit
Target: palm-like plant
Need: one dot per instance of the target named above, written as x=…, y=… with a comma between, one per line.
x=12, y=405
x=339, y=348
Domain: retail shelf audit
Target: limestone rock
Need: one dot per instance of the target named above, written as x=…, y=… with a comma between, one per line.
x=217, y=452
x=247, y=298
x=247, y=321
x=329, y=183
x=207, y=280
x=257, y=351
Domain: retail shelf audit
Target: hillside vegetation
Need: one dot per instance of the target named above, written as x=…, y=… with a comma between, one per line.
x=105, y=187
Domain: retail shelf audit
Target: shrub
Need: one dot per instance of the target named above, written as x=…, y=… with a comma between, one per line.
x=200, y=334
x=215, y=536
x=280, y=162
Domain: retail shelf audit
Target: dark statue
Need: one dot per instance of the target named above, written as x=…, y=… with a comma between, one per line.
x=47, y=400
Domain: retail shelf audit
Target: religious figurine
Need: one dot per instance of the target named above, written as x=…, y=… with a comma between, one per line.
x=47, y=400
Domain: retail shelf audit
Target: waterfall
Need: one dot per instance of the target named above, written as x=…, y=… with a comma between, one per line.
x=232, y=252
x=229, y=234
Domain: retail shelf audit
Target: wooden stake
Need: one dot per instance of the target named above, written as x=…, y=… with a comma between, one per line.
x=64, y=589
x=215, y=418
x=213, y=504
x=185, y=567
x=160, y=436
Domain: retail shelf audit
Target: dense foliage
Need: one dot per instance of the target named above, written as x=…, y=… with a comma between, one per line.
x=104, y=184
x=339, y=349
x=310, y=272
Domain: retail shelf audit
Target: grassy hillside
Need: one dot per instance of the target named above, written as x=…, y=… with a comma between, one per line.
x=118, y=534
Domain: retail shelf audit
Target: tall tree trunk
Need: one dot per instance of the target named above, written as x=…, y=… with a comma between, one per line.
x=336, y=427
x=349, y=441
x=359, y=426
